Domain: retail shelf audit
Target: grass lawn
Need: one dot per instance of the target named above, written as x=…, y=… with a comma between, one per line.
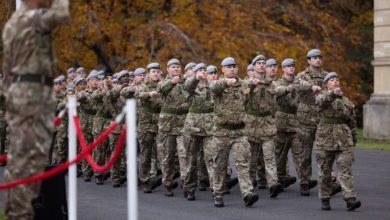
x=1, y=215
x=370, y=144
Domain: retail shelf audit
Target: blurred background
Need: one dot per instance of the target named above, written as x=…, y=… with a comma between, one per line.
x=126, y=34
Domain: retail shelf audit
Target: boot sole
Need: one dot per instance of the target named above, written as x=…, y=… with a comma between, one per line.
x=252, y=201
x=355, y=206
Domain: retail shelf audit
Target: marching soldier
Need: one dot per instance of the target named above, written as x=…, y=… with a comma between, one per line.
x=335, y=139
x=174, y=109
x=260, y=124
x=310, y=82
x=229, y=97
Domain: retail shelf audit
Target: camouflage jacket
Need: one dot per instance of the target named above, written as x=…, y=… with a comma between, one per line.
x=229, y=108
x=103, y=111
x=286, y=105
x=337, y=127
x=260, y=107
x=86, y=109
x=27, y=40
x=149, y=108
x=307, y=113
x=199, y=120
x=174, y=107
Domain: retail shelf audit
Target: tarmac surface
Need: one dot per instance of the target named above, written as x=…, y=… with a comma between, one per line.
x=372, y=181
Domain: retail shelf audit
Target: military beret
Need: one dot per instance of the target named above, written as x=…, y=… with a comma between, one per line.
x=250, y=67
x=189, y=66
x=139, y=71
x=92, y=74
x=314, y=53
x=228, y=61
x=70, y=70
x=257, y=58
x=70, y=89
x=115, y=75
x=212, y=69
x=115, y=80
x=270, y=62
x=80, y=70
x=153, y=66
x=288, y=62
x=62, y=78
x=173, y=61
x=57, y=80
x=131, y=73
x=200, y=66
x=122, y=74
x=78, y=80
x=329, y=76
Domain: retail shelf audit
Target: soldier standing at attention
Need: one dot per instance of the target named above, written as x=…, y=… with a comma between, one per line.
x=173, y=113
x=335, y=139
x=288, y=136
x=260, y=124
x=310, y=82
x=28, y=68
x=229, y=108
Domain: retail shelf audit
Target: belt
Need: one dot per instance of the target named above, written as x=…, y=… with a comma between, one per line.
x=45, y=80
x=201, y=110
x=257, y=113
x=174, y=111
x=326, y=120
x=149, y=109
x=287, y=109
x=230, y=126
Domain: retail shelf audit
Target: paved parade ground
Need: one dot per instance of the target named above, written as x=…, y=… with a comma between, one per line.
x=372, y=179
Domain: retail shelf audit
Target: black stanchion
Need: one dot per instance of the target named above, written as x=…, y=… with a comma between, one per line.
x=51, y=203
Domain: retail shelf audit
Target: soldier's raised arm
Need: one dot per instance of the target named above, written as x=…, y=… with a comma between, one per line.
x=219, y=86
x=325, y=98
x=142, y=94
x=190, y=84
x=56, y=15
x=303, y=84
x=164, y=87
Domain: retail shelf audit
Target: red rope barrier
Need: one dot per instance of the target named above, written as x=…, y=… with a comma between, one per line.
x=3, y=158
x=64, y=166
x=114, y=157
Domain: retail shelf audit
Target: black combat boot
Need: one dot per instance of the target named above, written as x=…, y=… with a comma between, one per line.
x=218, y=201
x=203, y=185
x=325, y=204
x=305, y=190
x=312, y=184
x=250, y=199
x=290, y=180
x=353, y=204
x=262, y=184
x=190, y=196
x=155, y=183
x=232, y=182
x=275, y=190
x=336, y=188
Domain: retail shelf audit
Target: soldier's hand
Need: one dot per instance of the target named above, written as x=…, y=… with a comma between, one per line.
x=175, y=80
x=200, y=76
x=134, y=88
x=231, y=81
x=255, y=82
x=338, y=92
x=290, y=88
x=316, y=89
x=153, y=94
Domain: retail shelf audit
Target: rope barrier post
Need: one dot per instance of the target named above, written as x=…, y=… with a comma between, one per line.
x=72, y=153
x=131, y=146
x=17, y=4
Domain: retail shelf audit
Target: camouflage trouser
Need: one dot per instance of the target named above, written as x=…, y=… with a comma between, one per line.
x=240, y=149
x=344, y=160
x=169, y=147
x=147, y=144
x=31, y=114
x=268, y=149
x=284, y=142
x=86, y=122
x=203, y=174
x=115, y=170
x=155, y=165
x=194, y=144
x=307, y=141
x=99, y=154
x=258, y=168
x=60, y=152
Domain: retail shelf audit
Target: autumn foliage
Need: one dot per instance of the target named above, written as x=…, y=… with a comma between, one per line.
x=118, y=34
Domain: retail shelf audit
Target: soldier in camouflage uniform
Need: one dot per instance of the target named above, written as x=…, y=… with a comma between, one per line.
x=28, y=68
x=197, y=131
x=149, y=109
x=101, y=122
x=71, y=75
x=309, y=84
x=86, y=115
x=335, y=138
x=260, y=124
x=173, y=113
x=229, y=95
x=288, y=136
x=3, y=123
